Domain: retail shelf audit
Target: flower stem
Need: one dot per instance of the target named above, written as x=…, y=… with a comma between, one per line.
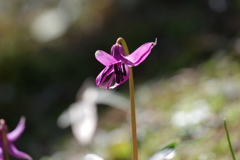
x=132, y=101
x=228, y=138
x=4, y=134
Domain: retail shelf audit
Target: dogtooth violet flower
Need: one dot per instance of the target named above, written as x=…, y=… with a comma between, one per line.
x=10, y=138
x=116, y=64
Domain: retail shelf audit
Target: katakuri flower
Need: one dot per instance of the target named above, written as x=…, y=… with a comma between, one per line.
x=10, y=138
x=116, y=69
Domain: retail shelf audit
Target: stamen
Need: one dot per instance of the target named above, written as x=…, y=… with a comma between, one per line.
x=120, y=72
x=122, y=76
x=117, y=78
x=116, y=71
x=115, y=68
x=124, y=70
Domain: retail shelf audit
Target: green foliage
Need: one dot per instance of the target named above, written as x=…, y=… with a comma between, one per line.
x=228, y=139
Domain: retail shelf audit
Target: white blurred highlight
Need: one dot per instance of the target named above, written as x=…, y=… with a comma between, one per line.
x=199, y=113
x=53, y=23
x=49, y=25
x=92, y=157
x=82, y=115
x=165, y=154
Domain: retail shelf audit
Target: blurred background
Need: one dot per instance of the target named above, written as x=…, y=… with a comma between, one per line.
x=184, y=89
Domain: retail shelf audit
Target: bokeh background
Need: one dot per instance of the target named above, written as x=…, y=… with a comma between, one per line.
x=184, y=89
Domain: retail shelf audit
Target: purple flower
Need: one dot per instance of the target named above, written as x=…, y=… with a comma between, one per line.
x=116, y=69
x=11, y=137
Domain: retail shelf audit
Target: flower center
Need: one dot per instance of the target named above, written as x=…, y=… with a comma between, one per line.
x=120, y=72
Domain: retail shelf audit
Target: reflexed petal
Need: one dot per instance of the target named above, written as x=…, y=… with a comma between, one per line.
x=105, y=58
x=139, y=54
x=103, y=75
x=16, y=133
x=13, y=151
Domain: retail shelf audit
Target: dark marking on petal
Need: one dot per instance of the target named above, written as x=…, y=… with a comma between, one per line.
x=104, y=74
x=118, y=79
x=120, y=72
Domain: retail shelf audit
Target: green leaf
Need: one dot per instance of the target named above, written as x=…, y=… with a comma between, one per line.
x=228, y=139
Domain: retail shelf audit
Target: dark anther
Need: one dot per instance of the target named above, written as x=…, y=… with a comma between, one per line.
x=115, y=68
x=124, y=70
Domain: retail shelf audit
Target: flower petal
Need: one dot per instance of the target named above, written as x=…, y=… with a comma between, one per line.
x=117, y=51
x=103, y=75
x=105, y=58
x=125, y=76
x=16, y=133
x=139, y=54
x=13, y=151
x=116, y=74
x=109, y=82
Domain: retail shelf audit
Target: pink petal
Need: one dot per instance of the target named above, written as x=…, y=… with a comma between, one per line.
x=103, y=75
x=105, y=58
x=16, y=133
x=107, y=77
x=108, y=83
x=139, y=54
x=13, y=151
x=125, y=78
x=117, y=51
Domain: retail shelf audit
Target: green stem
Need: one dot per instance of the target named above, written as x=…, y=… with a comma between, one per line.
x=131, y=92
x=228, y=138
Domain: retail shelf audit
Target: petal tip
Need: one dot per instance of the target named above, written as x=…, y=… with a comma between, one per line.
x=155, y=43
x=97, y=52
x=23, y=119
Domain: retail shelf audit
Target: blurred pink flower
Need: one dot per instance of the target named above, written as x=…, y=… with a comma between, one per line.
x=11, y=137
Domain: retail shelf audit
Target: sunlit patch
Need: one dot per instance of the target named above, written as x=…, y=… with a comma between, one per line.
x=92, y=157
x=196, y=115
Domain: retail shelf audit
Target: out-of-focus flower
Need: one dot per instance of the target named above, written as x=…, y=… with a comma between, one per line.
x=11, y=137
x=82, y=115
x=92, y=156
x=116, y=71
